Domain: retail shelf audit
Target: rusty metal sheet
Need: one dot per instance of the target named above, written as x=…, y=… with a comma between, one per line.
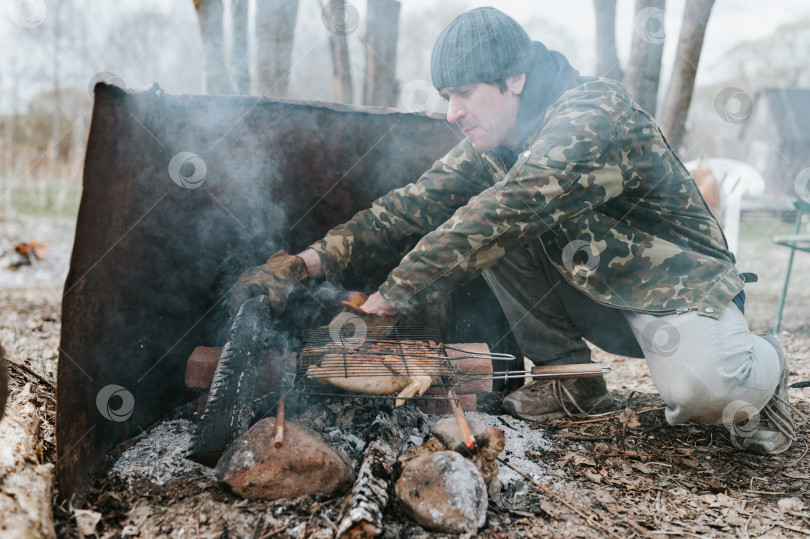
x=163, y=234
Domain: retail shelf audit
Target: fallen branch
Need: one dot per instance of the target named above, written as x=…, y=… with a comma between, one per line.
x=30, y=375
x=612, y=415
x=362, y=513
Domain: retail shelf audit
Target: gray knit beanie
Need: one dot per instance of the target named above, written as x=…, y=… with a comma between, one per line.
x=481, y=45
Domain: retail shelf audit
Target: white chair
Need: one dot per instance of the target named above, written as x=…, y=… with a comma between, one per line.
x=736, y=179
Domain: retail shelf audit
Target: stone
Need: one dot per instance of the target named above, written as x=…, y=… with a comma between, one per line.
x=489, y=442
x=446, y=430
x=306, y=464
x=444, y=492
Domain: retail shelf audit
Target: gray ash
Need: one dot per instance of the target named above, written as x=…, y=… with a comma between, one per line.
x=160, y=457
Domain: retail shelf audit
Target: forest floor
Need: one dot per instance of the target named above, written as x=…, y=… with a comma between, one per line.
x=626, y=474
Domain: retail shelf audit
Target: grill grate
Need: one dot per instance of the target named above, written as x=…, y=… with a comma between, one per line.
x=390, y=352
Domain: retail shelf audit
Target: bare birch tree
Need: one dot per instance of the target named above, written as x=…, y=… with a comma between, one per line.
x=644, y=68
x=209, y=16
x=275, y=29
x=381, y=52
x=239, y=52
x=339, y=22
x=682, y=83
x=607, y=61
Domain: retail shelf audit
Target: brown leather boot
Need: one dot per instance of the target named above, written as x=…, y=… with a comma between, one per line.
x=548, y=399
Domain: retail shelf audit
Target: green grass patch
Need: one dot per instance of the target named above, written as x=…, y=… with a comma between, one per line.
x=44, y=197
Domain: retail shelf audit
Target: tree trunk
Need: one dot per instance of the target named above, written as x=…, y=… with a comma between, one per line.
x=381, y=52
x=607, y=61
x=209, y=15
x=682, y=83
x=644, y=68
x=275, y=27
x=342, y=87
x=56, y=118
x=239, y=55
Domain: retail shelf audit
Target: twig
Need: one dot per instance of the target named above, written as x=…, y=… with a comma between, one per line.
x=278, y=439
x=581, y=437
x=23, y=370
x=747, y=522
x=614, y=414
x=792, y=528
x=271, y=533
x=795, y=462
x=639, y=455
x=652, y=429
x=548, y=492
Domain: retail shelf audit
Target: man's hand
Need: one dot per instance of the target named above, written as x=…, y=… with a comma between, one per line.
x=276, y=279
x=362, y=317
x=376, y=304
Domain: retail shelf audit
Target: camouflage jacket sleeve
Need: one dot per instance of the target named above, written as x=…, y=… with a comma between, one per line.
x=384, y=233
x=598, y=174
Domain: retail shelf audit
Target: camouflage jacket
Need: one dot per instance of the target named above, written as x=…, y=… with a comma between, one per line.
x=615, y=210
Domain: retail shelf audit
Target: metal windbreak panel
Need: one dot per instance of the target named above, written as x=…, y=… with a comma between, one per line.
x=181, y=193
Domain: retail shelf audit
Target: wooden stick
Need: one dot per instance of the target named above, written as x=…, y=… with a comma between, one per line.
x=577, y=370
x=463, y=426
x=611, y=415
x=278, y=441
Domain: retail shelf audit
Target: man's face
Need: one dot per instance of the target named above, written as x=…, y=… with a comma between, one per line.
x=486, y=115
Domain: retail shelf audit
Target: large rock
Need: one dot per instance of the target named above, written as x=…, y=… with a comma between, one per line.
x=443, y=491
x=489, y=442
x=305, y=464
x=448, y=432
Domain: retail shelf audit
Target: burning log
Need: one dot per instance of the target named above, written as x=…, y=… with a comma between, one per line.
x=229, y=408
x=362, y=512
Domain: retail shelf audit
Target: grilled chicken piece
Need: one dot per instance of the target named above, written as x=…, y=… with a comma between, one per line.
x=375, y=374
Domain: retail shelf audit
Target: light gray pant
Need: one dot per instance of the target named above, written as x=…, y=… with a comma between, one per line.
x=699, y=365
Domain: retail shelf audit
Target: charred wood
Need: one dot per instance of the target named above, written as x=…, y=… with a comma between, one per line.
x=363, y=510
x=229, y=408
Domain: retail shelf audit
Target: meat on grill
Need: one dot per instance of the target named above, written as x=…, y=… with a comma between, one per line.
x=378, y=370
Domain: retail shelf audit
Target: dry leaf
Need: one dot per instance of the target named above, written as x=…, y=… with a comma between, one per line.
x=582, y=460
x=86, y=521
x=552, y=510
x=601, y=447
x=603, y=496
x=629, y=418
x=562, y=461
x=643, y=468
x=790, y=504
x=595, y=477
x=796, y=475
x=724, y=500
x=734, y=518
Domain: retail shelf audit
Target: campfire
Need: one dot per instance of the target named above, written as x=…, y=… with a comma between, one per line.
x=311, y=434
x=364, y=439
